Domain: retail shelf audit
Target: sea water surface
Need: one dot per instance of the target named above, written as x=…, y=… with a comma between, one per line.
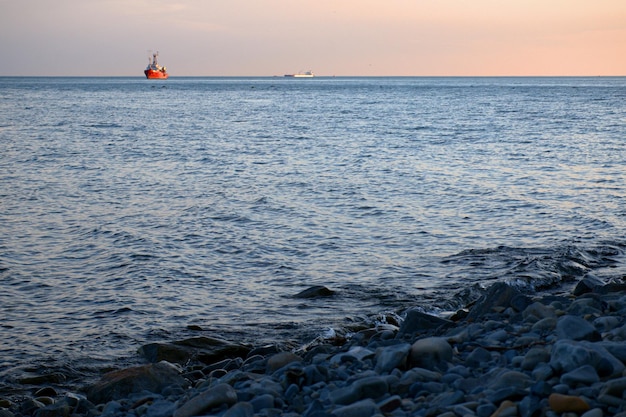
x=134, y=210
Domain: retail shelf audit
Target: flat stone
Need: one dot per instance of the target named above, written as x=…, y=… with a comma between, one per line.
x=560, y=403
x=118, y=384
x=211, y=398
x=205, y=349
x=538, y=311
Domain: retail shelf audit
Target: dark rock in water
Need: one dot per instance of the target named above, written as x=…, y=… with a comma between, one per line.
x=118, y=384
x=53, y=378
x=499, y=296
x=588, y=284
x=315, y=292
x=204, y=349
x=418, y=322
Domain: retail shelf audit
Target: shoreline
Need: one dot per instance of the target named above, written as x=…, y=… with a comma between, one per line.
x=508, y=354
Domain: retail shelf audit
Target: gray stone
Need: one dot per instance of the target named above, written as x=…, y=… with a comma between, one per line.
x=538, y=311
x=568, y=355
x=478, y=357
x=364, y=408
x=429, y=352
x=160, y=408
x=369, y=387
x=211, y=398
x=576, y=328
x=544, y=325
x=241, y=409
x=391, y=357
x=510, y=379
x=261, y=402
x=315, y=292
x=594, y=412
x=534, y=357
x=586, y=375
x=281, y=359
x=118, y=384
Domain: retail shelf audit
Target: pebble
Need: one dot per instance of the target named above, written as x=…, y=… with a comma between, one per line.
x=509, y=356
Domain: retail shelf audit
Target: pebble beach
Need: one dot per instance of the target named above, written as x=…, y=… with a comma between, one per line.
x=506, y=355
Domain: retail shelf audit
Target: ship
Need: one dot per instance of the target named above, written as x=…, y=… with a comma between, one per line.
x=308, y=74
x=154, y=70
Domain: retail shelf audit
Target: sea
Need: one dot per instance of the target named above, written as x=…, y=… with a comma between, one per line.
x=136, y=211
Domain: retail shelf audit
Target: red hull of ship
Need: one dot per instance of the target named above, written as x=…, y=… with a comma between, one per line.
x=152, y=74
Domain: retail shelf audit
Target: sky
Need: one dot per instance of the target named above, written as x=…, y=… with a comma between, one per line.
x=329, y=37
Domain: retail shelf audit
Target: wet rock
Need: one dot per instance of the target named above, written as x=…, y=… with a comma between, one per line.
x=211, y=398
x=498, y=297
x=568, y=355
x=588, y=284
x=205, y=349
x=241, y=409
x=417, y=322
x=118, y=384
x=315, y=292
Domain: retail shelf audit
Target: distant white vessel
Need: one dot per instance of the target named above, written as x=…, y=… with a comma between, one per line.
x=307, y=74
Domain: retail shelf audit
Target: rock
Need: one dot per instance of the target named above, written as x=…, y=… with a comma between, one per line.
x=364, y=408
x=585, y=375
x=498, y=296
x=205, y=349
x=538, y=311
x=576, y=328
x=507, y=408
x=430, y=352
x=391, y=357
x=479, y=357
x=510, y=379
x=534, y=357
x=560, y=403
x=241, y=409
x=211, y=398
x=568, y=355
x=595, y=412
x=315, y=292
x=588, y=284
x=369, y=387
x=417, y=322
x=280, y=360
x=118, y=384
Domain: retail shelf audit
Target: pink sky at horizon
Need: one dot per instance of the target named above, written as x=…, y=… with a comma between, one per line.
x=272, y=37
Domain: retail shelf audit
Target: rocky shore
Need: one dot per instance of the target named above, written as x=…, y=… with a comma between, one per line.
x=506, y=355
